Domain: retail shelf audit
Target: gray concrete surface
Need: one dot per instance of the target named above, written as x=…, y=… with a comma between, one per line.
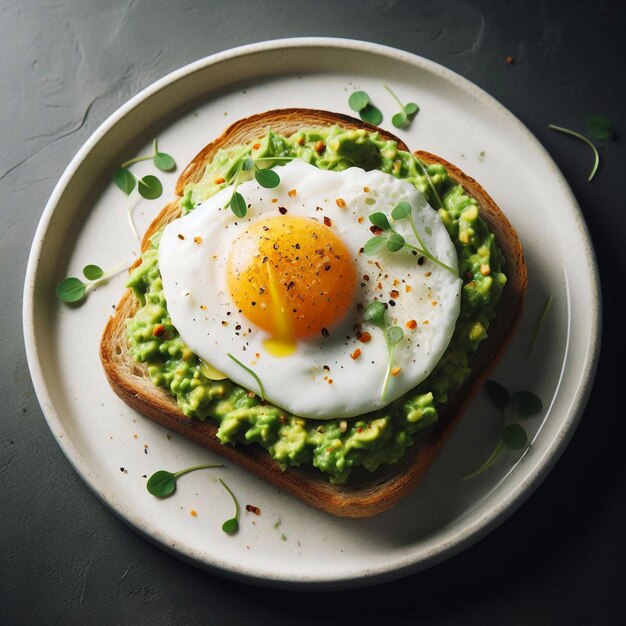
x=66, y=65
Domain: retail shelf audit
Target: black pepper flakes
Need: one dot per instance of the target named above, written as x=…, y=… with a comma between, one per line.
x=325, y=332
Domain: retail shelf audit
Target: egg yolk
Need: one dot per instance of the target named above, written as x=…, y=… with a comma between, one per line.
x=293, y=277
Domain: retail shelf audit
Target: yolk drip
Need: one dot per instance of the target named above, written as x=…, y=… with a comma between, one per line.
x=293, y=277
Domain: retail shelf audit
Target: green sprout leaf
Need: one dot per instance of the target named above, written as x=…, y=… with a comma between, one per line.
x=374, y=245
x=358, y=100
x=499, y=395
x=231, y=526
x=395, y=242
x=400, y=120
x=71, y=290
x=125, y=180
x=411, y=109
x=247, y=164
x=394, y=335
x=406, y=114
x=163, y=483
x=238, y=205
x=514, y=437
x=375, y=312
x=380, y=220
x=526, y=404
x=93, y=272
x=599, y=127
x=371, y=115
x=401, y=211
x=164, y=162
x=572, y=133
x=267, y=178
x=150, y=187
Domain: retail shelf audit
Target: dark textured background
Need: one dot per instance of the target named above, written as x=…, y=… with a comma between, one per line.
x=66, y=65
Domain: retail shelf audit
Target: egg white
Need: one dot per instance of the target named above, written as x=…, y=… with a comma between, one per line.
x=198, y=299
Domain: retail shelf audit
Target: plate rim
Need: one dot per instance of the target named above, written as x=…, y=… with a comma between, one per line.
x=469, y=534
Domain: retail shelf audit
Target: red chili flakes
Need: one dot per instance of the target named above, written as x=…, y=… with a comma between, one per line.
x=366, y=277
x=428, y=274
x=220, y=180
x=366, y=189
x=510, y=60
x=292, y=193
x=224, y=323
x=193, y=513
x=359, y=219
x=159, y=330
x=330, y=381
x=256, y=146
x=394, y=293
x=282, y=210
x=365, y=337
x=181, y=237
x=341, y=203
x=253, y=509
x=328, y=222
x=197, y=239
x=274, y=200
x=395, y=371
x=407, y=288
x=356, y=354
x=301, y=141
x=434, y=302
x=411, y=324
x=320, y=147
x=203, y=307
x=376, y=230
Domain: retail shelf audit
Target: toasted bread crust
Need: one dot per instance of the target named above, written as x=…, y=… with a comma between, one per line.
x=367, y=494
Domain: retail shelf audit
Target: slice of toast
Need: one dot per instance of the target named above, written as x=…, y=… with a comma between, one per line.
x=366, y=493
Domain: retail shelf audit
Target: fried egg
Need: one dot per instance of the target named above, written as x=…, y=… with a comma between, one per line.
x=282, y=291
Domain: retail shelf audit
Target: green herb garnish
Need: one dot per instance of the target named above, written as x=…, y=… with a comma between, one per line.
x=231, y=526
x=407, y=111
x=266, y=177
x=394, y=241
x=539, y=324
x=513, y=436
x=375, y=313
x=161, y=160
x=360, y=102
x=572, y=133
x=162, y=483
x=251, y=372
x=599, y=127
x=72, y=290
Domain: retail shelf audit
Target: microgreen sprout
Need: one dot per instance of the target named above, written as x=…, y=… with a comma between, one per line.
x=572, y=133
x=266, y=177
x=407, y=111
x=539, y=324
x=513, y=436
x=393, y=241
x=375, y=313
x=251, y=372
x=161, y=160
x=72, y=290
x=149, y=186
x=360, y=102
x=231, y=526
x=163, y=483
x=599, y=127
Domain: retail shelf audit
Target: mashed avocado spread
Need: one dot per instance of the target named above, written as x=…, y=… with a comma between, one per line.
x=333, y=446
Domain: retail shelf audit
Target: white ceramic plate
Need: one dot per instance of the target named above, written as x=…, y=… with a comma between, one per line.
x=290, y=543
